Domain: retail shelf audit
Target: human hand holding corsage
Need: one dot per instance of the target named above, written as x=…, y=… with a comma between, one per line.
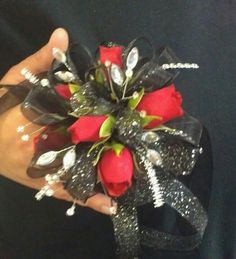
x=15, y=154
x=113, y=135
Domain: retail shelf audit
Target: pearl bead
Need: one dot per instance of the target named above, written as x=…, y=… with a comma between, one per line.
x=49, y=193
x=70, y=211
x=143, y=113
x=44, y=82
x=39, y=195
x=20, y=129
x=48, y=177
x=129, y=73
x=135, y=95
x=107, y=63
x=55, y=177
x=25, y=137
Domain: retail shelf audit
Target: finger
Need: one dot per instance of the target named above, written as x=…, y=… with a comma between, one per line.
x=62, y=194
x=99, y=202
x=102, y=203
x=39, y=61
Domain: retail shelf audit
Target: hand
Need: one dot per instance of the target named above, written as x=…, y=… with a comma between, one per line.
x=15, y=155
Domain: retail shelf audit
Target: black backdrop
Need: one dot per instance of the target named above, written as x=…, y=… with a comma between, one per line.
x=200, y=31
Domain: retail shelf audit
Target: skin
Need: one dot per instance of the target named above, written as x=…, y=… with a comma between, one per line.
x=14, y=162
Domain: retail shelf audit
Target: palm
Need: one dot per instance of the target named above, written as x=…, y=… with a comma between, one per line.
x=14, y=162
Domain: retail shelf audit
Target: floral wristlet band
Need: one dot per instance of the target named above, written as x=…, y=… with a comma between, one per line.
x=115, y=123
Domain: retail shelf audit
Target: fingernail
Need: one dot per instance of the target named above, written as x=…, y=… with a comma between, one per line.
x=109, y=210
x=59, y=39
x=113, y=210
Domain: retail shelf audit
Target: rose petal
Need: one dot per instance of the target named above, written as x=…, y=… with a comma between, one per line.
x=116, y=171
x=165, y=103
x=63, y=91
x=112, y=54
x=86, y=129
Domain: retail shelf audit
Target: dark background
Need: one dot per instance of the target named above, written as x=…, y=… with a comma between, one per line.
x=198, y=31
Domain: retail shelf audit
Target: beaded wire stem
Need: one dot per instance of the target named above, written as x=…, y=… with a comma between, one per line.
x=180, y=65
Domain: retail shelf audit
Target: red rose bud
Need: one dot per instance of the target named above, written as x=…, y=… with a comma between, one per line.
x=112, y=54
x=165, y=103
x=53, y=139
x=63, y=91
x=86, y=129
x=116, y=171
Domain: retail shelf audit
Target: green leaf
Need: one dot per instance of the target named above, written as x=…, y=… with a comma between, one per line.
x=80, y=112
x=96, y=144
x=117, y=147
x=73, y=88
x=62, y=130
x=73, y=114
x=99, y=76
x=138, y=170
x=95, y=161
x=132, y=104
x=147, y=119
x=106, y=127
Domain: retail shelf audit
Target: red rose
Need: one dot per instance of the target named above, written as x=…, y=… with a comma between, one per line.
x=113, y=54
x=63, y=91
x=86, y=129
x=51, y=139
x=165, y=103
x=116, y=171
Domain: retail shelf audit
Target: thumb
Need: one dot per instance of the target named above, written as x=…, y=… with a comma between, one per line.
x=39, y=61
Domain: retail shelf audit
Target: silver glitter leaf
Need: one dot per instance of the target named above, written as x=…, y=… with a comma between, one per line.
x=59, y=55
x=65, y=76
x=117, y=74
x=132, y=58
x=69, y=159
x=154, y=157
x=46, y=158
x=150, y=137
